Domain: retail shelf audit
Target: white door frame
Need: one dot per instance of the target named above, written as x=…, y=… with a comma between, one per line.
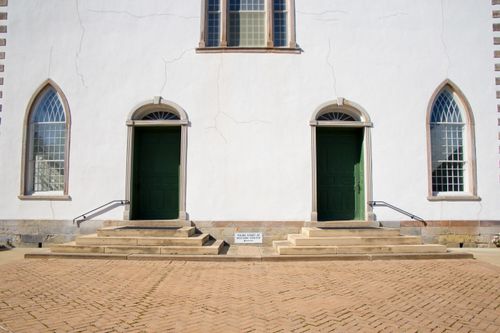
x=134, y=120
x=362, y=119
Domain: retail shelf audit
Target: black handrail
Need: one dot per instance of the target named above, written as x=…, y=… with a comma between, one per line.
x=399, y=210
x=88, y=215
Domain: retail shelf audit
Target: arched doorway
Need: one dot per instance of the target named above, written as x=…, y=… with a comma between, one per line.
x=341, y=158
x=156, y=161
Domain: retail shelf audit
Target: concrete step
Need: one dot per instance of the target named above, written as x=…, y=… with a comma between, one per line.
x=349, y=232
x=134, y=231
x=212, y=248
x=330, y=250
x=301, y=240
x=196, y=240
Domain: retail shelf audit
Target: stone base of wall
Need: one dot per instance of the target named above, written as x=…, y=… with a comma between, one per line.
x=36, y=233
x=41, y=233
x=454, y=233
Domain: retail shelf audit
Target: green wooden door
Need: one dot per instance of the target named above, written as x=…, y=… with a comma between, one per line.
x=155, y=176
x=340, y=179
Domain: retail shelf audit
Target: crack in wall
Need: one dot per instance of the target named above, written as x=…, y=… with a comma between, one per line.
x=332, y=68
x=478, y=214
x=52, y=209
x=49, y=69
x=167, y=62
x=398, y=14
x=82, y=36
x=139, y=17
x=443, y=39
x=221, y=113
x=325, y=12
x=215, y=127
x=320, y=16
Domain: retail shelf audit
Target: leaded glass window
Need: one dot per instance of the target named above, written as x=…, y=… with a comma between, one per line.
x=447, y=129
x=280, y=23
x=47, y=143
x=213, y=23
x=247, y=20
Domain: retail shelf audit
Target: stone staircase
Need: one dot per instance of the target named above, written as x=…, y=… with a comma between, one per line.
x=147, y=238
x=354, y=238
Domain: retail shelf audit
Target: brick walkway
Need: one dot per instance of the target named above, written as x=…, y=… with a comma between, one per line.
x=133, y=296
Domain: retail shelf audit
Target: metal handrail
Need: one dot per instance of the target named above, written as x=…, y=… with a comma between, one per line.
x=399, y=210
x=84, y=216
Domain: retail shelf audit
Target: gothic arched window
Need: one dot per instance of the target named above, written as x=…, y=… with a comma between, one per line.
x=451, y=144
x=47, y=139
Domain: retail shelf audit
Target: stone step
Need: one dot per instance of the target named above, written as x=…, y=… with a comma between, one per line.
x=146, y=223
x=196, y=240
x=344, y=224
x=208, y=249
x=280, y=243
x=329, y=250
x=349, y=232
x=301, y=240
x=134, y=231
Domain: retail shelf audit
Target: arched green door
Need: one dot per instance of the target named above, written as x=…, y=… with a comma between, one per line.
x=340, y=178
x=155, y=176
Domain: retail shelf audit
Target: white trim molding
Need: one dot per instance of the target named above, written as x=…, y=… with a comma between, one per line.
x=134, y=120
x=26, y=192
x=470, y=191
x=362, y=120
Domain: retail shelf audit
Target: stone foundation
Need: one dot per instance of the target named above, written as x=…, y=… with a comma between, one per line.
x=455, y=233
x=36, y=233
x=39, y=233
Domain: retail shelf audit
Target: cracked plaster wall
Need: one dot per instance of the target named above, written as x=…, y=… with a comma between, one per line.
x=249, y=138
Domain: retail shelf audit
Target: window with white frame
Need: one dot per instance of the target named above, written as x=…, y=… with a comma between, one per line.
x=47, y=134
x=448, y=144
x=247, y=24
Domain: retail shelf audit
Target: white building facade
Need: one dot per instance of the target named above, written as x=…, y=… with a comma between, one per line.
x=253, y=114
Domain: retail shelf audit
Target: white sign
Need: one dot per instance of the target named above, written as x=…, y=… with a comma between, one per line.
x=248, y=237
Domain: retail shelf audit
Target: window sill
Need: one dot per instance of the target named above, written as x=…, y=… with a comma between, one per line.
x=454, y=198
x=45, y=197
x=248, y=50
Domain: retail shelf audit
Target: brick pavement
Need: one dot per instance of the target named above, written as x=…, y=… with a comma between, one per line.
x=133, y=296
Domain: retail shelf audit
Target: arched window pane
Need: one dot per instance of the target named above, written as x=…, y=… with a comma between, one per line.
x=447, y=142
x=48, y=141
x=336, y=116
x=445, y=109
x=161, y=115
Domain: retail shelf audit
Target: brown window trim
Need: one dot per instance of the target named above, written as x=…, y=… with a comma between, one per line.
x=35, y=197
x=454, y=198
x=248, y=50
x=268, y=48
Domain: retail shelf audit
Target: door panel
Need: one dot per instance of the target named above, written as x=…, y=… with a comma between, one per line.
x=339, y=173
x=156, y=162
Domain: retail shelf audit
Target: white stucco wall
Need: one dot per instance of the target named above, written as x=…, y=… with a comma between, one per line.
x=249, y=142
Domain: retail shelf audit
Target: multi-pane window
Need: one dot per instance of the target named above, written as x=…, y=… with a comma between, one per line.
x=47, y=144
x=447, y=130
x=248, y=24
x=247, y=19
x=213, y=23
x=280, y=25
